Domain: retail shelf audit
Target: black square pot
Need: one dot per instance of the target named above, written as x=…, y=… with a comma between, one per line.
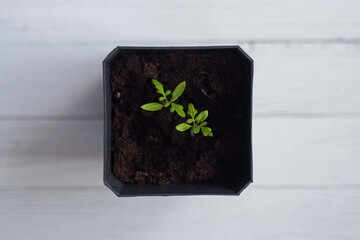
x=238, y=165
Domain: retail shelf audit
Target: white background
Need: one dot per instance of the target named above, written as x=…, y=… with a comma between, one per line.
x=306, y=127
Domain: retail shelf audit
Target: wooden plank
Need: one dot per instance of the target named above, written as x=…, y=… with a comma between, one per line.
x=286, y=152
x=295, y=79
x=95, y=213
x=51, y=81
x=51, y=153
x=302, y=80
x=175, y=22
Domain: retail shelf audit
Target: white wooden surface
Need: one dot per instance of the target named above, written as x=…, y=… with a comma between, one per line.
x=290, y=79
x=287, y=151
x=260, y=213
x=82, y=22
x=306, y=132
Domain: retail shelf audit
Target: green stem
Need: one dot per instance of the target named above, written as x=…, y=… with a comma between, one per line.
x=192, y=132
x=165, y=98
x=193, y=127
x=166, y=101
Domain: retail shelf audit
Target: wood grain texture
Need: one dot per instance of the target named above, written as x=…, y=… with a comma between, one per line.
x=286, y=152
x=261, y=213
x=295, y=79
x=175, y=22
x=306, y=131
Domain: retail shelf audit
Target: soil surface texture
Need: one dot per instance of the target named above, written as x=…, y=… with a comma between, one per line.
x=146, y=147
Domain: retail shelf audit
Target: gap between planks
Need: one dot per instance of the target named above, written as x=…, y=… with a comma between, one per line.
x=251, y=187
x=194, y=42
x=9, y=118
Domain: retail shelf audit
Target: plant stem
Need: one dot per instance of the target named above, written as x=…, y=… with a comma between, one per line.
x=166, y=101
x=192, y=128
x=192, y=132
x=165, y=98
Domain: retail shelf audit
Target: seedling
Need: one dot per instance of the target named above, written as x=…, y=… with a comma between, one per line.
x=164, y=102
x=195, y=123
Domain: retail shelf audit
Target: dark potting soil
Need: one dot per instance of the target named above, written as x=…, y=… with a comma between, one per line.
x=146, y=147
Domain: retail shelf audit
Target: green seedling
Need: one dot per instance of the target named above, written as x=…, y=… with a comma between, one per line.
x=164, y=102
x=195, y=123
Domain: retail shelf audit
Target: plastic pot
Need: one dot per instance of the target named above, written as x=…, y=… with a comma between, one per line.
x=239, y=174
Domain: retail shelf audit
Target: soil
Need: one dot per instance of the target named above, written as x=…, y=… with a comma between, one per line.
x=146, y=147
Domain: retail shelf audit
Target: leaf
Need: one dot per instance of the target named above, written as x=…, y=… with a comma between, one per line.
x=167, y=104
x=167, y=92
x=197, y=129
x=203, y=124
x=180, y=111
x=161, y=98
x=206, y=131
x=178, y=108
x=152, y=106
x=191, y=110
x=202, y=116
x=173, y=107
x=190, y=120
x=178, y=91
x=159, y=87
x=182, y=127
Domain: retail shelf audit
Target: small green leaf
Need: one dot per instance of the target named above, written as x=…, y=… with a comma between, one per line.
x=181, y=112
x=203, y=124
x=206, y=131
x=161, y=98
x=202, y=116
x=197, y=129
x=178, y=108
x=191, y=110
x=167, y=104
x=182, y=127
x=178, y=91
x=152, y=106
x=173, y=107
x=167, y=92
x=159, y=87
x=190, y=120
